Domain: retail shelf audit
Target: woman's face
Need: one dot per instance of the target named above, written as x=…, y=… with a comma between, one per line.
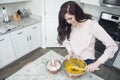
x=70, y=19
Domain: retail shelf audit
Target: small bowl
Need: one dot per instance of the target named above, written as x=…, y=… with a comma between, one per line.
x=53, y=68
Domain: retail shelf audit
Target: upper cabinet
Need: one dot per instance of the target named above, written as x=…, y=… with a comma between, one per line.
x=11, y=1
x=92, y=2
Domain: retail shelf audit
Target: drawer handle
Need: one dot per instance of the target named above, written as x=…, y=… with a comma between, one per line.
x=27, y=38
x=19, y=33
x=30, y=37
x=34, y=27
x=1, y=39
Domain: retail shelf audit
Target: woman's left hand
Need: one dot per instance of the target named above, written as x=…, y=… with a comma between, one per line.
x=93, y=66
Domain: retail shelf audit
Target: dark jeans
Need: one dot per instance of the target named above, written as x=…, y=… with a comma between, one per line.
x=88, y=61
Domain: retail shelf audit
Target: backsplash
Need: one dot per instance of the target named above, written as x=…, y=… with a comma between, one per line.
x=12, y=7
x=96, y=10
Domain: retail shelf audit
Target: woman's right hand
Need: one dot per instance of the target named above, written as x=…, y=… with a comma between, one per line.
x=68, y=56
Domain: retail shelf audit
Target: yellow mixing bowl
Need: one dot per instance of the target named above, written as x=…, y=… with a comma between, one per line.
x=74, y=67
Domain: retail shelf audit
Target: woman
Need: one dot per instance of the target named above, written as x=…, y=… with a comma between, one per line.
x=81, y=31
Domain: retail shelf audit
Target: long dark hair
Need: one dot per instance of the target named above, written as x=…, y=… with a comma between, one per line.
x=64, y=29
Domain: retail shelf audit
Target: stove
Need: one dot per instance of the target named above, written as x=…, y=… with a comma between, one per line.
x=110, y=23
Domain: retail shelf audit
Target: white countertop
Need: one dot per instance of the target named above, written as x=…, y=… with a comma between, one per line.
x=12, y=25
x=37, y=70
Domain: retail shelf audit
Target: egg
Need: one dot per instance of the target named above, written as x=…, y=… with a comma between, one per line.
x=53, y=66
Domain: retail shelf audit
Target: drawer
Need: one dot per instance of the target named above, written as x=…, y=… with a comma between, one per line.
x=32, y=27
x=18, y=33
x=4, y=38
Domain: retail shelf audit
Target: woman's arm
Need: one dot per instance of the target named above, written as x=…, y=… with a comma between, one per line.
x=68, y=47
x=104, y=37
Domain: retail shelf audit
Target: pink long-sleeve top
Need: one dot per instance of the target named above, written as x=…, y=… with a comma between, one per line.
x=82, y=41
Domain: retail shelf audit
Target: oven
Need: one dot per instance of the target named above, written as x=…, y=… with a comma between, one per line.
x=110, y=23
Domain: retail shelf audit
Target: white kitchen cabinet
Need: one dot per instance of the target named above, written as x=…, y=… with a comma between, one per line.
x=20, y=42
x=117, y=61
x=11, y=1
x=34, y=34
x=26, y=39
x=1, y=64
x=92, y=2
x=7, y=53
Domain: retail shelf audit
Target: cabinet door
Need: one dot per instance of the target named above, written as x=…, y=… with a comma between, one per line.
x=11, y=1
x=7, y=1
x=34, y=36
x=93, y=2
x=1, y=64
x=117, y=61
x=20, y=42
x=22, y=0
x=7, y=54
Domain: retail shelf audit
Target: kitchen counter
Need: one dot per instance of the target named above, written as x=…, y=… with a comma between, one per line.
x=12, y=25
x=36, y=70
x=19, y=39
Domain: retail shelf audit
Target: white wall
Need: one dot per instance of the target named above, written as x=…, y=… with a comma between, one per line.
x=35, y=6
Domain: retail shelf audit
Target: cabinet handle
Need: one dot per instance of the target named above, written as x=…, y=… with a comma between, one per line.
x=34, y=27
x=19, y=33
x=27, y=38
x=1, y=39
x=30, y=37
